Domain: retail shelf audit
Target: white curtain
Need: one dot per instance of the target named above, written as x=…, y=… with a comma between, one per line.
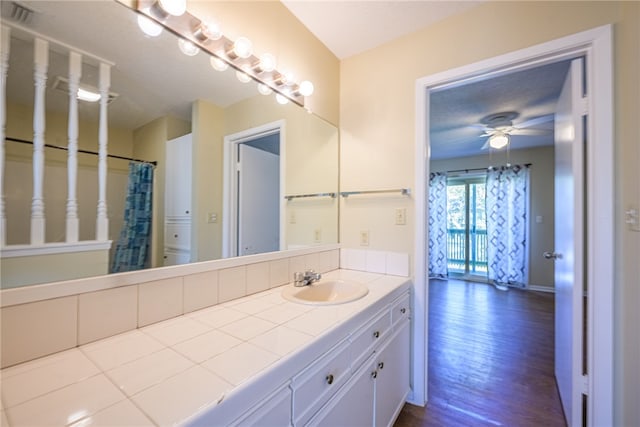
x=438, y=224
x=507, y=225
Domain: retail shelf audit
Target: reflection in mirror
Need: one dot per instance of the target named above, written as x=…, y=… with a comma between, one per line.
x=156, y=94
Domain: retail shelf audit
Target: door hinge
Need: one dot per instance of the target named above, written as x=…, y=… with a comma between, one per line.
x=585, y=385
x=585, y=105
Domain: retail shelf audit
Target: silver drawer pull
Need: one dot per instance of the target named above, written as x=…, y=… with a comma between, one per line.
x=330, y=379
x=376, y=334
x=403, y=310
x=381, y=365
x=374, y=374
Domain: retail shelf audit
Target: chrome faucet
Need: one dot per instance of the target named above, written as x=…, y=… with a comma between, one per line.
x=306, y=278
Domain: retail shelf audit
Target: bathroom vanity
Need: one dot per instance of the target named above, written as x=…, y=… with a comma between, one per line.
x=256, y=360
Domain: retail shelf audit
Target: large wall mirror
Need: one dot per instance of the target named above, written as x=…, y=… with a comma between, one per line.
x=158, y=94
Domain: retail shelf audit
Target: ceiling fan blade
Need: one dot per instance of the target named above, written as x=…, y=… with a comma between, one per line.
x=518, y=131
x=535, y=121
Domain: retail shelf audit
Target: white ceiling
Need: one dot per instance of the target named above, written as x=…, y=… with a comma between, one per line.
x=351, y=27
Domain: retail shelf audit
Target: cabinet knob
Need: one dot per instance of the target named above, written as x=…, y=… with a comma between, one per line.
x=330, y=379
x=403, y=310
x=186, y=212
x=175, y=235
x=374, y=374
x=376, y=334
x=381, y=365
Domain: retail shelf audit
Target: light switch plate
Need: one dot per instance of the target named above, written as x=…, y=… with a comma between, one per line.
x=364, y=238
x=401, y=216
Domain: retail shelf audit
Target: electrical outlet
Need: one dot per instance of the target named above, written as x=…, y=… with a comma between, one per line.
x=212, y=217
x=401, y=216
x=632, y=218
x=317, y=235
x=364, y=238
x=292, y=217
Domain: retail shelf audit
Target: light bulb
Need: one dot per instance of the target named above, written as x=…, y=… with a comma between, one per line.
x=306, y=88
x=243, y=77
x=288, y=78
x=242, y=47
x=87, y=95
x=187, y=47
x=210, y=30
x=498, y=140
x=173, y=7
x=281, y=99
x=218, y=64
x=264, y=89
x=267, y=63
x=149, y=27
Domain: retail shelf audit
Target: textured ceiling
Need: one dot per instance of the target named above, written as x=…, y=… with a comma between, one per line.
x=456, y=113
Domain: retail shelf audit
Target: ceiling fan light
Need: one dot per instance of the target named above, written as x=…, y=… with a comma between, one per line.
x=499, y=140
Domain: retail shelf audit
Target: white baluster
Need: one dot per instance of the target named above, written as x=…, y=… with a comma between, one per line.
x=75, y=71
x=102, y=223
x=4, y=66
x=41, y=60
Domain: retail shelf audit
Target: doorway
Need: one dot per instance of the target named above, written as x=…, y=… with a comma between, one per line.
x=252, y=219
x=595, y=45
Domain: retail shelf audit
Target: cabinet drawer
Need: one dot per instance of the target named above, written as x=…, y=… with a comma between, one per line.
x=365, y=340
x=177, y=236
x=401, y=309
x=313, y=387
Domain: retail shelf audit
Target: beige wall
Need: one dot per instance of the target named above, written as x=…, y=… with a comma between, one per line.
x=208, y=133
x=29, y=270
x=541, y=201
x=377, y=119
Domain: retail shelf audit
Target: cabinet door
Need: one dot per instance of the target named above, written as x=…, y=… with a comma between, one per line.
x=276, y=411
x=353, y=405
x=393, y=371
x=178, y=177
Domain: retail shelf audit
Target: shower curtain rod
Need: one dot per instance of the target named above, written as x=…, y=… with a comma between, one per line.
x=57, y=147
x=480, y=169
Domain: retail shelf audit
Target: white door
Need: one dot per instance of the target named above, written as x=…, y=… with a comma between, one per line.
x=258, y=201
x=569, y=242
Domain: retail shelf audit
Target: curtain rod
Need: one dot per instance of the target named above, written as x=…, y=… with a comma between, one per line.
x=480, y=169
x=57, y=147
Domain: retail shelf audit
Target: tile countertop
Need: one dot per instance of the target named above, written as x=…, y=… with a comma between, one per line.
x=169, y=372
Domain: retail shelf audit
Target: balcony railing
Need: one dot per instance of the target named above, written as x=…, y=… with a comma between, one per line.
x=477, y=251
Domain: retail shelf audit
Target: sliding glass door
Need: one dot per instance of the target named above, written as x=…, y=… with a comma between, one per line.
x=466, y=226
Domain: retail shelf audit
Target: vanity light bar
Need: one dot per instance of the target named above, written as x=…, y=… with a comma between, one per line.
x=191, y=28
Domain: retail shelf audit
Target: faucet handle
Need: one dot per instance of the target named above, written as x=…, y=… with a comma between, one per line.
x=309, y=272
x=298, y=276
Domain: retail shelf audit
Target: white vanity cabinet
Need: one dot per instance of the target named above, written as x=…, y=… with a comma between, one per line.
x=274, y=411
x=377, y=391
x=378, y=387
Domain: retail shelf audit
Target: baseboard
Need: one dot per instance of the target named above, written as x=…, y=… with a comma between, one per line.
x=539, y=288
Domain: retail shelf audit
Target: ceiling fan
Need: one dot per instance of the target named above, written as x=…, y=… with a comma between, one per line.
x=499, y=127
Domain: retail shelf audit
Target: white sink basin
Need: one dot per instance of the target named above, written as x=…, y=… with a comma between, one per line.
x=326, y=292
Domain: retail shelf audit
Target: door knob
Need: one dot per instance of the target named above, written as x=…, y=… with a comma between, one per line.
x=552, y=255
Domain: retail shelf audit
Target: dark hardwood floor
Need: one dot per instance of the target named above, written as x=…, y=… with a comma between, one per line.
x=490, y=359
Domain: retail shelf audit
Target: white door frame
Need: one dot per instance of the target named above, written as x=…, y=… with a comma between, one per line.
x=596, y=46
x=229, y=193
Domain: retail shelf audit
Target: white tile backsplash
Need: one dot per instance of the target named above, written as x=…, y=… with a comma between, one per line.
x=159, y=300
x=392, y=263
x=200, y=290
x=257, y=277
x=232, y=283
x=376, y=262
x=121, y=303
